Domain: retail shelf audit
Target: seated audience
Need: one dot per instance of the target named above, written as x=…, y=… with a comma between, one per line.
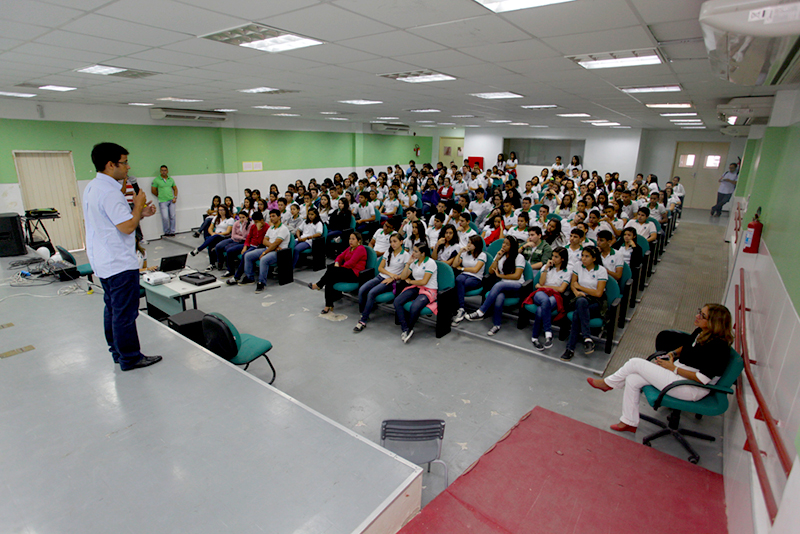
x=308, y=232
x=588, y=286
x=232, y=245
x=345, y=268
x=472, y=262
x=536, y=250
x=612, y=260
x=643, y=227
x=380, y=241
x=210, y=214
x=420, y=273
x=389, y=270
x=254, y=240
x=548, y=295
x=220, y=228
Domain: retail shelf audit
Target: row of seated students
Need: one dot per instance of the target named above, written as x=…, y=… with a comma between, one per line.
x=450, y=232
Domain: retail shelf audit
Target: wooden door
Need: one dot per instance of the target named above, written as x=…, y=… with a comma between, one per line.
x=47, y=180
x=700, y=166
x=451, y=149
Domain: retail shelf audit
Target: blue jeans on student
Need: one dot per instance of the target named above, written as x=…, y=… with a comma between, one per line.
x=298, y=248
x=409, y=318
x=368, y=293
x=269, y=259
x=497, y=296
x=580, y=320
x=231, y=255
x=249, y=260
x=205, y=226
x=121, y=297
x=167, y=216
x=466, y=282
x=221, y=250
x=544, y=313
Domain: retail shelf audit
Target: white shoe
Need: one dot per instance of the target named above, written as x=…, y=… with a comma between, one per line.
x=477, y=315
x=459, y=316
x=495, y=329
x=408, y=335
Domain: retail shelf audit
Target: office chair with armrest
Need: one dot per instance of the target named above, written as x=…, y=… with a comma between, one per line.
x=418, y=441
x=224, y=340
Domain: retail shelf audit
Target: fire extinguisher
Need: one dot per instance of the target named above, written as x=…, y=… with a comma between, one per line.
x=752, y=237
x=416, y=150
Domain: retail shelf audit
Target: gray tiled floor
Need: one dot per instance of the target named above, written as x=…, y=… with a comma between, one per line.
x=478, y=388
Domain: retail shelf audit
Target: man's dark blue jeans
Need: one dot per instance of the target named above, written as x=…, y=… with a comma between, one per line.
x=122, y=307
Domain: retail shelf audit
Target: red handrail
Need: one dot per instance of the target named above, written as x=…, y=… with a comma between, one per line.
x=780, y=447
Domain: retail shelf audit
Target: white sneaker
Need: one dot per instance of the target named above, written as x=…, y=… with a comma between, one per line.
x=459, y=316
x=408, y=335
x=403, y=336
x=548, y=341
x=477, y=315
x=495, y=329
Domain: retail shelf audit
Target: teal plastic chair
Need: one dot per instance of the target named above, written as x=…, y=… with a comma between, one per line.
x=495, y=247
x=713, y=404
x=626, y=285
x=324, y=237
x=479, y=290
x=317, y=250
x=446, y=299
x=609, y=321
x=647, y=259
x=475, y=227
x=525, y=290
x=418, y=204
x=224, y=340
x=535, y=209
x=551, y=216
x=84, y=269
x=529, y=310
x=364, y=276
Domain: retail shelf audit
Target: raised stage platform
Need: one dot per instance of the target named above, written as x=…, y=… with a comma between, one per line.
x=191, y=444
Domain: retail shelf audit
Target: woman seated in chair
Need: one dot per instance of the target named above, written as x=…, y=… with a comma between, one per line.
x=309, y=230
x=221, y=227
x=554, y=280
x=630, y=250
x=234, y=243
x=588, y=285
x=391, y=267
x=421, y=274
x=211, y=212
x=508, y=266
x=339, y=219
x=472, y=262
x=447, y=246
x=493, y=230
x=703, y=357
x=346, y=268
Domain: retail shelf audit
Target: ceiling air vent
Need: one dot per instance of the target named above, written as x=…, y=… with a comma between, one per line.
x=187, y=115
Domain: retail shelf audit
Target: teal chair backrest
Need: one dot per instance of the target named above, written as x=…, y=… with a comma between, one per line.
x=626, y=274
x=372, y=259
x=291, y=242
x=377, y=215
x=445, y=278
x=732, y=372
x=324, y=231
x=535, y=209
x=655, y=222
x=236, y=336
x=418, y=205
x=66, y=256
x=352, y=222
x=474, y=227
x=495, y=247
x=536, y=276
x=612, y=291
x=642, y=242
x=551, y=216
x=489, y=260
x=527, y=273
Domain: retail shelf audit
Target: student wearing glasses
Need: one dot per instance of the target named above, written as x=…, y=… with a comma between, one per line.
x=701, y=356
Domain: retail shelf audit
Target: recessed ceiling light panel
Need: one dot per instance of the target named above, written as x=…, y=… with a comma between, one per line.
x=272, y=107
x=418, y=76
x=501, y=6
x=103, y=70
x=263, y=38
x=686, y=120
x=336, y=119
x=605, y=124
x=259, y=90
x=328, y=112
x=425, y=110
x=538, y=126
x=518, y=124
x=497, y=96
x=18, y=95
x=226, y=110
x=361, y=102
x=175, y=99
x=622, y=58
x=687, y=114
x=540, y=106
x=651, y=89
x=387, y=118
x=498, y=121
x=142, y=104
x=693, y=127
x=425, y=122
x=463, y=116
x=60, y=88
x=572, y=115
x=285, y=114
x=682, y=105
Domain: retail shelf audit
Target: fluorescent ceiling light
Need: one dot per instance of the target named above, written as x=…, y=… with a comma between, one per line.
x=472, y=126
x=518, y=124
x=387, y=118
x=329, y=112
x=336, y=119
x=418, y=76
x=174, y=99
x=682, y=105
x=18, y=95
x=496, y=96
x=686, y=121
x=540, y=106
x=285, y=114
x=377, y=122
x=595, y=120
x=501, y=6
x=272, y=107
x=688, y=114
x=693, y=127
x=57, y=88
x=226, y=110
x=651, y=89
x=572, y=115
x=139, y=104
x=361, y=102
x=538, y=126
x=426, y=110
x=446, y=123
x=264, y=38
x=463, y=116
x=498, y=121
x=605, y=124
x=425, y=122
x=427, y=126
x=259, y=90
x=611, y=63
x=731, y=119
x=620, y=127
x=103, y=70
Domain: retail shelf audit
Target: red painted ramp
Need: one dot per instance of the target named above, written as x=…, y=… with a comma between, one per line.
x=551, y=474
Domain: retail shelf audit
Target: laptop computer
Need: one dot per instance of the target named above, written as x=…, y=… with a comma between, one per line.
x=173, y=264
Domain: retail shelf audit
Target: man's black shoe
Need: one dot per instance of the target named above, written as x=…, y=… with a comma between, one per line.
x=144, y=362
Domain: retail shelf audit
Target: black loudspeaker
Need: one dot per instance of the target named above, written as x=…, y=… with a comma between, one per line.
x=12, y=240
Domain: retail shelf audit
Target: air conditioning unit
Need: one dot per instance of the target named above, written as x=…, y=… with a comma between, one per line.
x=736, y=131
x=753, y=42
x=380, y=127
x=187, y=115
x=746, y=111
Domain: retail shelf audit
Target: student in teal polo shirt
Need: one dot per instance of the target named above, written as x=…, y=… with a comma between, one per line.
x=166, y=190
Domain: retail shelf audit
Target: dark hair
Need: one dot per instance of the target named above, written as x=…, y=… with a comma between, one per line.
x=282, y=199
x=511, y=257
x=525, y=216
x=535, y=230
x=346, y=203
x=164, y=167
x=578, y=232
x=216, y=197
x=102, y=153
x=439, y=216
x=358, y=235
x=595, y=253
x=227, y=213
x=275, y=212
x=388, y=254
x=550, y=237
x=226, y=201
x=633, y=231
x=477, y=242
x=423, y=247
x=257, y=216
x=645, y=210
x=443, y=233
x=564, y=255
x=315, y=212
x=605, y=234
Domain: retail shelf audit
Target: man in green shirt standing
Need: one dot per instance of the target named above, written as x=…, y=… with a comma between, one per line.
x=166, y=190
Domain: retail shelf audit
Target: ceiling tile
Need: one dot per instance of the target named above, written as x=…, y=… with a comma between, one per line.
x=388, y=44
x=679, y=29
x=654, y=11
x=441, y=60
x=66, y=53
x=380, y=66
x=83, y=5
x=413, y=13
x=8, y=44
x=489, y=29
x=253, y=10
x=331, y=54
x=571, y=18
x=130, y=32
x=603, y=41
x=33, y=12
x=327, y=23
x=18, y=30
x=140, y=64
x=211, y=49
x=518, y=50
x=175, y=58
x=171, y=16
x=86, y=42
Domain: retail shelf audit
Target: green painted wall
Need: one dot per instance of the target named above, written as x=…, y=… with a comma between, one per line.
x=200, y=150
x=746, y=170
x=773, y=186
x=186, y=149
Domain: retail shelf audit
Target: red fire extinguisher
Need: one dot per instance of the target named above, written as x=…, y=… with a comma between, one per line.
x=752, y=237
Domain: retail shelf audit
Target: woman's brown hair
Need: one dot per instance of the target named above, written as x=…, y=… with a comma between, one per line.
x=719, y=325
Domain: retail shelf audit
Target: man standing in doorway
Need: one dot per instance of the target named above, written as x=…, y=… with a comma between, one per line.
x=727, y=185
x=110, y=245
x=166, y=190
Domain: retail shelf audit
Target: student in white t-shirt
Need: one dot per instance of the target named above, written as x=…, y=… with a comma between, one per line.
x=447, y=247
x=555, y=277
x=643, y=227
x=221, y=227
x=277, y=238
x=472, y=262
x=380, y=240
x=309, y=230
x=508, y=266
x=588, y=285
x=389, y=270
x=520, y=231
x=390, y=205
x=612, y=260
x=465, y=231
x=421, y=274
